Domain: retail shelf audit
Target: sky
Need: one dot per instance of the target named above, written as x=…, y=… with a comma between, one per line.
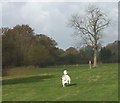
x=51, y=18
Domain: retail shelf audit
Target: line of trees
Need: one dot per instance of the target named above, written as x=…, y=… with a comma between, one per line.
x=22, y=47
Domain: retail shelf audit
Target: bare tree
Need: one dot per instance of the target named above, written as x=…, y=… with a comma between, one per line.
x=90, y=27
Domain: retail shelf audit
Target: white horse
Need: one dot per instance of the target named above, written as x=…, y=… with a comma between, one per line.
x=65, y=79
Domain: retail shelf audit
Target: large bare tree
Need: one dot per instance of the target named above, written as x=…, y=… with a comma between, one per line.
x=90, y=27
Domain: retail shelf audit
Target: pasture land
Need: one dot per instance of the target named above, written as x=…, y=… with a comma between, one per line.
x=44, y=84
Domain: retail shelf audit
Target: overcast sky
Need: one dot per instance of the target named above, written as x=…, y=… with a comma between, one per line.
x=51, y=18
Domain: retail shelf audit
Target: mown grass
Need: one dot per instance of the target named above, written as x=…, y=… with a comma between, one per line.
x=44, y=84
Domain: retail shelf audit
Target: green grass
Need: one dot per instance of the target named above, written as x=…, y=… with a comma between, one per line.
x=44, y=84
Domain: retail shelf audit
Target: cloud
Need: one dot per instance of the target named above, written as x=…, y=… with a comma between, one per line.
x=59, y=1
x=51, y=18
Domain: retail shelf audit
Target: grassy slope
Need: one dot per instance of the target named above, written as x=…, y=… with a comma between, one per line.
x=35, y=84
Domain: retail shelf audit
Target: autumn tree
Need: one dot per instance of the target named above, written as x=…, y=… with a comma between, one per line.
x=70, y=55
x=90, y=27
x=16, y=43
x=38, y=55
x=50, y=45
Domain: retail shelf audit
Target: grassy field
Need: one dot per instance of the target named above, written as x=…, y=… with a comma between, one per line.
x=44, y=84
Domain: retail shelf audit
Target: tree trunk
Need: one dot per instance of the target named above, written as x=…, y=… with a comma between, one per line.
x=95, y=58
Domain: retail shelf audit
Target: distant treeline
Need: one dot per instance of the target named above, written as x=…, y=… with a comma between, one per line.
x=22, y=47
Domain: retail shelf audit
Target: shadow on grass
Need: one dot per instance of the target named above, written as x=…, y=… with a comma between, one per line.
x=26, y=80
x=73, y=84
